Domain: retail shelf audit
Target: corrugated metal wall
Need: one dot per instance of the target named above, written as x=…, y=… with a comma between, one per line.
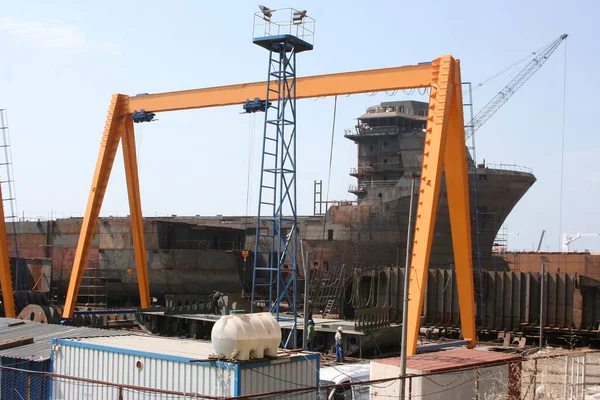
x=121, y=368
x=282, y=376
x=18, y=385
x=78, y=359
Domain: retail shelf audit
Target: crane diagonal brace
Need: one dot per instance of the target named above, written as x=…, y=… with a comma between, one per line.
x=444, y=147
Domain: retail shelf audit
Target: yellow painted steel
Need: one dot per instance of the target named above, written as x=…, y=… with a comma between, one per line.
x=135, y=207
x=431, y=175
x=444, y=146
x=376, y=80
x=457, y=187
x=106, y=157
x=5, y=279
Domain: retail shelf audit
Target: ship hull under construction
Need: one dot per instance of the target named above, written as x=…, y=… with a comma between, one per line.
x=195, y=255
x=182, y=258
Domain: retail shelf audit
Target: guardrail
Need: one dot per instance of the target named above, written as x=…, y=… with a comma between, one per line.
x=372, y=184
x=507, y=167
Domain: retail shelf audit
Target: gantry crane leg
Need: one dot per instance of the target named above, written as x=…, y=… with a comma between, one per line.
x=444, y=147
x=457, y=187
x=5, y=279
x=118, y=125
x=135, y=210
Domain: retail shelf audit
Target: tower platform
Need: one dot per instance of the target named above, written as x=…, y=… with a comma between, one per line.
x=275, y=42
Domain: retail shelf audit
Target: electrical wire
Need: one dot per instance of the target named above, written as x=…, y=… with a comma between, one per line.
x=562, y=149
x=331, y=146
x=329, y=172
x=252, y=134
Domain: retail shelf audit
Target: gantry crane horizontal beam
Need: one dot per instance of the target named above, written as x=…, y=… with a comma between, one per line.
x=376, y=80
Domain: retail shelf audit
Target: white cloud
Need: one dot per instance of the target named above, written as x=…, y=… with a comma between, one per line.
x=50, y=34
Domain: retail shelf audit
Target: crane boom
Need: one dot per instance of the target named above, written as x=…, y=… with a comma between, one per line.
x=502, y=97
x=569, y=238
x=541, y=239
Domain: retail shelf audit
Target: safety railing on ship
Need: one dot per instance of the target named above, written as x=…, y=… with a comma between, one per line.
x=506, y=167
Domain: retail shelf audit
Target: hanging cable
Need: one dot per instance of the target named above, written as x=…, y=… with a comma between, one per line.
x=328, y=181
x=251, y=138
x=330, y=163
x=331, y=145
x=522, y=60
x=562, y=149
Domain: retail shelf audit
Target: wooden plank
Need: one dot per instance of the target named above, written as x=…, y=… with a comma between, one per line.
x=10, y=343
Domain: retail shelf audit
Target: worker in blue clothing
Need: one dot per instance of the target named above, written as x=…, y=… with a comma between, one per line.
x=310, y=335
x=339, y=352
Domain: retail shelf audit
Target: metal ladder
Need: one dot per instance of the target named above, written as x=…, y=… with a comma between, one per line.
x=326, y=288
x=93, y=289
x=328, y=307
x=11, y=216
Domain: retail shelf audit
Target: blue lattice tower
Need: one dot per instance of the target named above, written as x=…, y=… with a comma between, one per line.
x=275, y=251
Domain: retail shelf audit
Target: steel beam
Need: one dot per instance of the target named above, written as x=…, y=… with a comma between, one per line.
x=5, y=279
x=113, y=130
x=444, y=147
x=376, y=80
x=457, y=187
x=135, y=210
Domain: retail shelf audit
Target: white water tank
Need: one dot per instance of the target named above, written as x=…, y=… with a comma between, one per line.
x=245, y=336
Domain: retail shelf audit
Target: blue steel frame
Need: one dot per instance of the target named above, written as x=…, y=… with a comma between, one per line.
x=278, y=188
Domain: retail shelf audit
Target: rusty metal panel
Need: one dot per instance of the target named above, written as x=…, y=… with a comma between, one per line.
x=512, y=299
x=69, y=240
x=490, y=291
x=526, y=299
x=535, y=296
x=62, y=259
x=446, y=297
x=455, y=318
x=561, y=286
x=552, y=300
x=68, y=226
x=516, y=301
x=115, y=240
x=344, y=214
x=30, y=252
x=571, y=289
x=507, y=299
x=31, y=240
x=29, y=227
x=499, y=306
x=567, y=263
x=41, y=270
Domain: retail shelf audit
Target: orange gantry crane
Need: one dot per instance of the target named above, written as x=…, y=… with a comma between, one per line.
x=444, y=149
x=5, y=279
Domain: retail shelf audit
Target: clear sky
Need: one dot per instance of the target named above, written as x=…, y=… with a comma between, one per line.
x=61, y=61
